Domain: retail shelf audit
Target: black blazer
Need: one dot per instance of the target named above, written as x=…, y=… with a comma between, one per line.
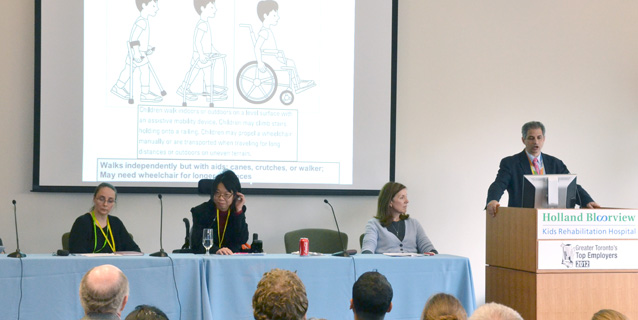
x=205, y=216
x=510, y=178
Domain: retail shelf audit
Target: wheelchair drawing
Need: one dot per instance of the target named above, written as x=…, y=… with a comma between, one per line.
x=259, y=87
x=216, y=92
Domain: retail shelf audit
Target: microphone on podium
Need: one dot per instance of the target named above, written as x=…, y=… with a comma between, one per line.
x=160, y=253
x=17, y=253
x=343, y=252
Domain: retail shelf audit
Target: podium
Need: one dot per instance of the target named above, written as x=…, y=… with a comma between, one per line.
x=562, y=263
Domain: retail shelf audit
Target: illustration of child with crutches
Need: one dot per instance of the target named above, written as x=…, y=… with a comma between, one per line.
x=138, y=51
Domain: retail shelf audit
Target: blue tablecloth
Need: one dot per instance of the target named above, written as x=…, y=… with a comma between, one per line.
x=221, y=287
x=50, y=285
x=231, y=282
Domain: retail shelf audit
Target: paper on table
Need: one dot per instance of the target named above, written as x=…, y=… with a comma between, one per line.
x=405, y=254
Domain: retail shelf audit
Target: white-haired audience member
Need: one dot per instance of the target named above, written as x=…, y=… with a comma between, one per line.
x=103, y=293
x=495, y=311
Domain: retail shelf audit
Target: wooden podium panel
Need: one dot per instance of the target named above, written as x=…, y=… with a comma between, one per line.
x=562, y=296
x=513, y=288
x=511, y=239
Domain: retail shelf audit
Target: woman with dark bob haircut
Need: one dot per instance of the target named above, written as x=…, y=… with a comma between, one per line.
x=98, y=231
x=392, y=230
x=225, y=213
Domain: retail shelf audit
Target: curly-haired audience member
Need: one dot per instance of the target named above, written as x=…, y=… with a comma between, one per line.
x=443, y=306
x=280, y=295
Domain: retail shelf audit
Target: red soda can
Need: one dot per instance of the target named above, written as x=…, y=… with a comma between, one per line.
x=304, y=247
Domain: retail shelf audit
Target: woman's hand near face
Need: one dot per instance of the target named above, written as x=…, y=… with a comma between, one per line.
x=224, y=251
x=240, y=201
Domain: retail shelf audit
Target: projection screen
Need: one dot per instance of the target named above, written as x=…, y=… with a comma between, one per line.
x=296, y=97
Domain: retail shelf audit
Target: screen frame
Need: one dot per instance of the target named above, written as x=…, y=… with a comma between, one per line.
x=37, y=187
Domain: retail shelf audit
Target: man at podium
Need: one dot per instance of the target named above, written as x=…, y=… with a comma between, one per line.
x=529, y=161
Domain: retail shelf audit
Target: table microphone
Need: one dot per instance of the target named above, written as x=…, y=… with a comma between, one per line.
x=187, y=239
x=344, y=252
x=17, y=253
x=160, y=253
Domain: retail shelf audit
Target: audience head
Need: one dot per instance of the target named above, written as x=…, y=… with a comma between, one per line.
x=443, y=306
x=495, y=311
x=608, y=314
x=280, y=295
x=371, y=296
x=104, y=289
x=386, y=196
x=146, y=312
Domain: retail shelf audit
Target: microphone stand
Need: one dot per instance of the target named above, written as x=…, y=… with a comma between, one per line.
x=342, y=253
x=160, y=253
x=187, y=239
x=17, y=253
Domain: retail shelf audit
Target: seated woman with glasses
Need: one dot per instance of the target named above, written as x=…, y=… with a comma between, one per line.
x=225, y=214
x=98, y=231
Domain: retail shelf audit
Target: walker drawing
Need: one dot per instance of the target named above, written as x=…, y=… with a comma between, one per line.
x=204, y=59
x=257, y=81
x=138, y=52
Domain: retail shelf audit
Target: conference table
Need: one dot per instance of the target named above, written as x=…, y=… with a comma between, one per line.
x=188, y=286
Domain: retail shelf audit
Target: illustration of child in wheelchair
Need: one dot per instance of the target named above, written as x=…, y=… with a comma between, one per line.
x=204, y=59
x=257, y=81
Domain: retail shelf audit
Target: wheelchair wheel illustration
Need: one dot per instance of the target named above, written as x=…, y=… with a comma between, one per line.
x=287, y=97
x=254, y=86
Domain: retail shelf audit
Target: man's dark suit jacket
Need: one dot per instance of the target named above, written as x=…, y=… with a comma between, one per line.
x=510, y=178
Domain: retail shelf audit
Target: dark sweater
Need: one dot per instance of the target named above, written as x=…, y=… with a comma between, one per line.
x=82, y=238
x=205, y=216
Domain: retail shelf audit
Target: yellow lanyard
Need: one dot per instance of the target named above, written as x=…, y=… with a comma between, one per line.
x=221, y=238
x=108, y=224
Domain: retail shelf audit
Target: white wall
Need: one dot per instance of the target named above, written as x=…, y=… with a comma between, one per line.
x=470, y=74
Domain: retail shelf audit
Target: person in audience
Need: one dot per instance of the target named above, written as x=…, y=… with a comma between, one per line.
x=529, y=161
x=103, y=293
x=146, y=312
x=280, y=295
x=443, y=306
x=98, y=231
x=608, y=314
x=495, y=311
x=392, y=229
x=225, y=213
x=371, y=297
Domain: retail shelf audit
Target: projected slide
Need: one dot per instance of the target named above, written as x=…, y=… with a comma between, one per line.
x=177, y=90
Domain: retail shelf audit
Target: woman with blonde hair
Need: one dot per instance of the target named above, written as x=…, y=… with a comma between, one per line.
x=609, y=314
x=443, y=306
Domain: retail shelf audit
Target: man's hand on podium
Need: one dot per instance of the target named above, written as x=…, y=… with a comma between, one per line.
x=492, y=208
x=593, y=205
